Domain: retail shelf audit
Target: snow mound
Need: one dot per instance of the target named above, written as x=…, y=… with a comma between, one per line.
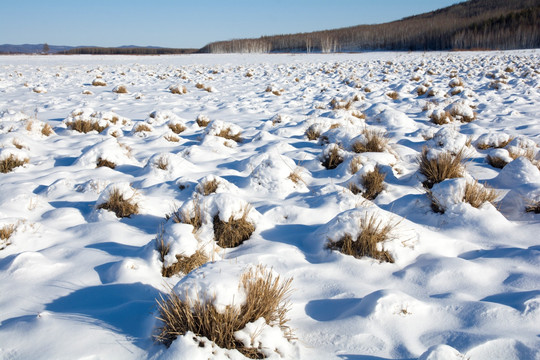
x=441, y=352
x=274, y=175
x=108, y=149
x=517, y=173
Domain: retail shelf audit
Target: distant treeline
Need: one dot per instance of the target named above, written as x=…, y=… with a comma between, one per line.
x=474, y=24
x=126, y=51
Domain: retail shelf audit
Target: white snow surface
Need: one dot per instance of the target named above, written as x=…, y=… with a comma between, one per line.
x=80, y=283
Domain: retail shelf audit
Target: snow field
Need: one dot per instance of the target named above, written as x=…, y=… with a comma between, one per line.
x=276, y=141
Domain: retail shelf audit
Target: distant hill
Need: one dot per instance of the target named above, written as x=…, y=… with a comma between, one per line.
x=69, y=50
x=473, y=24
x=31, y=48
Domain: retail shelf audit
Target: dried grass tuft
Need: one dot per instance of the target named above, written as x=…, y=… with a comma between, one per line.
x=177, y=128
x=233, y=232
x=5, y=233
x=120, y=206
x=208, y=187
x=85, y=126
x=10, y=163
x=185, y=264
x=496, y=161
x=142, y=127
x=162, y=163
x=332, y=159
x=194, y=219
x=375, y=142
x=534, y=207
x=373, y=183
x=393, y=95
x=312, y=133
x=356, y=164
x=121, y=89
x=47, y=130
x=444, y=166
x=441, y=117
x=172, y=138
x=202, y=121
x=105, y=163
x=227, y=134
x=372, y=233
x=477, y=194
x=266, y=297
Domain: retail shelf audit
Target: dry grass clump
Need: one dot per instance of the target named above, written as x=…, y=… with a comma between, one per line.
x=440, y=117
x=120, y=206
x=372, y=233
x=496, y=161
x=529, y=154
x=180, y=90
x=192, y=218
x=105, y=163
x=375, y=142
x=227, y=134
x=208, y=187
x=233, y=232
x=358, y=114
x=85, y=126
x=185, y=264
x=47, y=130
x=393, y=95
x=203, y=87
x=172, y=138
x=332, y=159
x=176, y=128
x=488, y=145
x=142, y=128
x=312, y=133
x=455, y=112
x=296, y=176
x=356, y=164
x=5, y=233
x=99, y=82
x=533, y=207
x=11, y=162
x=162, y=163
x=336, y=104
x=421, y=90
x=266, y=297
x=120, y=89
x=444, y=166
x=477, y=194
x=373, y=183
x=202, y=121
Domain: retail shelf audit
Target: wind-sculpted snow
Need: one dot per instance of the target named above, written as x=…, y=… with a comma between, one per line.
x=266, y=160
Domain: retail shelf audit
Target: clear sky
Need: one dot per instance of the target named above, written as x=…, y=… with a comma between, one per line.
x=188, y=23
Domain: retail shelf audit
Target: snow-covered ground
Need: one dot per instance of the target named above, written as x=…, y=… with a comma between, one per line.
x=77, y=282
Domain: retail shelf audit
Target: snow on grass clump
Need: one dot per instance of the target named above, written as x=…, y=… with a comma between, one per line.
x=518, y=172
x=85, y=120
x=11, y=158
x=106, y=153
x=235, y=306
x=276, y=174
x=225, y=130
x=211, y=184
x=493, y=140
x=362, y=233
x=449, y=194
x=223, y=218
x=121, y=199
x=448, y=139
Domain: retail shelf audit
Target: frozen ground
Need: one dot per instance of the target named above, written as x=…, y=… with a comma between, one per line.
x=76, y=282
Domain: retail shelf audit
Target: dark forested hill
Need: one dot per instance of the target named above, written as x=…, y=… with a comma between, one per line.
x=473, y=24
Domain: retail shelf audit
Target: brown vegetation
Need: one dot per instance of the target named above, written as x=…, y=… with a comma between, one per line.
x=372, y=233
x=444, y=166
x=85, y=126
x=120, y=206
x=233, y=232
x=11, y=162
x=375, y=142
x=266, y=297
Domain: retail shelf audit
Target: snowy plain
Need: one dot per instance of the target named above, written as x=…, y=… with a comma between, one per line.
x=76, y=282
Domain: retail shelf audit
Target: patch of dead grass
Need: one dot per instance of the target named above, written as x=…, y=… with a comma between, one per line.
x=233, y=232
x=444, y=166
x=176, y=128
x=375, y=142
x=373, y=183
x=11, y=162
x=105, y=163
x=85, y=126
x=266, y=297
x=477, y=194
x=119, y=205
x=332, y=159
x=373, y=233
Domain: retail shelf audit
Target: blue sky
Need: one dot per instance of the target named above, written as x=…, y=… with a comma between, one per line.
x=188, y=23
